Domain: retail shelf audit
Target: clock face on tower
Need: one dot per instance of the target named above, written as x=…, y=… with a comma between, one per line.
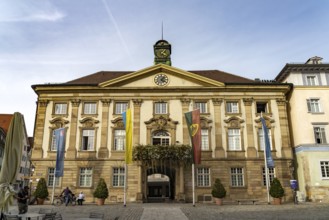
x=161, y=79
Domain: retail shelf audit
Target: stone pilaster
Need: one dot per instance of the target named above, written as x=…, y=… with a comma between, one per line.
x=185, y=108
x=219, y=150
x=71, y=150
x=136, y=120
x=286, y=149
x=39, y=126
x=103, y=151
x=251, y=150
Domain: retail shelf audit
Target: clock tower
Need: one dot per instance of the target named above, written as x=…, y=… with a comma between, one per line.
x=162, y=52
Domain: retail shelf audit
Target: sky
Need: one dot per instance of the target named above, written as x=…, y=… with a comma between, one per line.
x=55, y=41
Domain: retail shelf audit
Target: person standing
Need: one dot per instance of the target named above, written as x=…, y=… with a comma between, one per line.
x=67, y=195
x=22, y=197
x=81, y=197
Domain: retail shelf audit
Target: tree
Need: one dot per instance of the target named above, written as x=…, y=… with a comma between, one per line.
x=42, y=190
x=101, y=191
x=276, y=189
x=218, y=190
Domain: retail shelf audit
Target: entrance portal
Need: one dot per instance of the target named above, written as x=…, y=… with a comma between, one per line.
x=160, y=185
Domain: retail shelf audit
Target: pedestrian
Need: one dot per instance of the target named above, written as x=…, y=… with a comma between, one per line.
x=22, y=197
x=81, y=198
x=67, y=193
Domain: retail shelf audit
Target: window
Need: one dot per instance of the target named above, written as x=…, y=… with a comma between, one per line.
x=312, y=80
x=271, y=175
x=232, y=107
x=202, y=106
x=234, y=139
x=313, y=105
x=53, y=146
x=237, y=177
x=203, y=177
x=160, y=108
x=161, y=138
x=86, y=176
x=60, y=108
x=89, y=108
x=51, y=177
x=262, y=139
x=320, y=135
x=261, y=107
x=324, y=169
x=120, y=107
x=119, y=139
x=88, y=137
x=204, y=139
x=118, y=177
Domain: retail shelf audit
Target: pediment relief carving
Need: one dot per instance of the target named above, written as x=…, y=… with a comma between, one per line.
x=161, y=122
x=89, y=122
x=205, y=122
x=58, y=122
x=269, y=121
x=234, y=122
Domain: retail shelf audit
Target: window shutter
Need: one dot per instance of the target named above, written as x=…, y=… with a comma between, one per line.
x=309, y=105
x=323, y=135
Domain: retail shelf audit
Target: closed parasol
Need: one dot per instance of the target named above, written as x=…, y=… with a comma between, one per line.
x=11, y=161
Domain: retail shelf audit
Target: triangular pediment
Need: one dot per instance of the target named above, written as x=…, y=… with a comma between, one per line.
x=146, y=78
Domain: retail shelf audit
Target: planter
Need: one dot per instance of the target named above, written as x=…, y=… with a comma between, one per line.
x=100, y=201
x=276, y=201
x=219, y=201
x=40, y=201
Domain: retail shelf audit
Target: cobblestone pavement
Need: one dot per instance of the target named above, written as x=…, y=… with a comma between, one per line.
x=186, y=211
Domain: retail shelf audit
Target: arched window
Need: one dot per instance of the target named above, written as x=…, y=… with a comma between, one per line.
x=161, y=138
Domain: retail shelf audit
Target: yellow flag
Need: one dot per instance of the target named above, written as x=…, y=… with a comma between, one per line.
x=129, y=135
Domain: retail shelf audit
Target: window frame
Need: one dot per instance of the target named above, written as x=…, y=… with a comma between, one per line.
x=202, y=105
x=313, y=105
x=205, y=139
x=261, y=138
x=314, y=82
x=120, y=109
x=118, y=178
x=267, y=106
x=234, y=136
x=271, y=175
x=119, y=140
x=323, y=134
x=326, y=169
x=203, y=178
x=161, y=109
x=227, y=104
x=236, y=177
x=85, y=176
x=51, y=175
x=83, y=140
x=61, y=109
x=92, y=108
x=165, y=140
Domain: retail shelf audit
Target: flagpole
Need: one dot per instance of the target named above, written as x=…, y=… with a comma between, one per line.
x=265, y=162
x=193, y=185
x=53, y=193
x=125, y=186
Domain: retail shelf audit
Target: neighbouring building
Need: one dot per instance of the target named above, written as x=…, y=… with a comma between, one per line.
x=309, y=120
x=23, y=176
x=91, y=107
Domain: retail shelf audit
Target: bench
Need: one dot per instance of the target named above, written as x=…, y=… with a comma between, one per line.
x=246, y=201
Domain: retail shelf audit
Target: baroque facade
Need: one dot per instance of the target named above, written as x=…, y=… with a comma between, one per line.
x=90, y=108
x=309, y=120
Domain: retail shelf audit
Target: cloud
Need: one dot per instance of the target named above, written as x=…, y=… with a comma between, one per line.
x=37, y=17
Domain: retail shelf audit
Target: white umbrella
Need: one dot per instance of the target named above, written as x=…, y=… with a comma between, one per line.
x=11, y=161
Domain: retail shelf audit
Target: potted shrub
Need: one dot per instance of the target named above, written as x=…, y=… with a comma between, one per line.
x=218, y=192
x=41, y=192
x=276, y=191
x=101, y=192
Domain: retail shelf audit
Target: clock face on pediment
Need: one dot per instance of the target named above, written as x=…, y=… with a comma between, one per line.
x=161, y=79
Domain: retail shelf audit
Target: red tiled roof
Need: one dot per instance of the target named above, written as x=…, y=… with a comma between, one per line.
x=5, y=120
x=104, y=76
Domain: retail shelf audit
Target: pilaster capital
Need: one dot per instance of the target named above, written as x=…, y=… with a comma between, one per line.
x=43, y=103
x=217, y=101
x=75, y=102
x=106, y=102
x=137, y=102
x=248, y=101
x=281, y=101
x=185, y=101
